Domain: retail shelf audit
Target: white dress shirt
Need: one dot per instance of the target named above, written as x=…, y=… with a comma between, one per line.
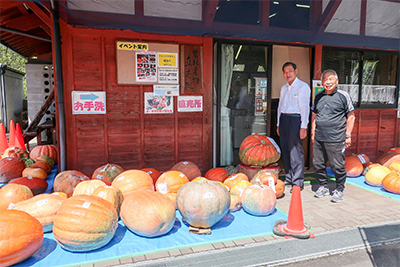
x=295, y=99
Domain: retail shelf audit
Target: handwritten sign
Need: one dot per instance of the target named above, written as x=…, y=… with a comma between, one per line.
x=192, y=58
x=132, y=46
x=190, y=103
x=88, y=102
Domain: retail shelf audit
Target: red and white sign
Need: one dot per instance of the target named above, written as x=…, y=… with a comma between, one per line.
x=88, y=102
x=190, y=103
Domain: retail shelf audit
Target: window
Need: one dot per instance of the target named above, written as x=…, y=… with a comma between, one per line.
x=369, y=77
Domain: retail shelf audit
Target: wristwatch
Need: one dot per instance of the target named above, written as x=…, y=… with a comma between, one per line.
x=348, y=135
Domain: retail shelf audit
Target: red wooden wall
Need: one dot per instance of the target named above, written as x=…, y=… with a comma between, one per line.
x=125, y=135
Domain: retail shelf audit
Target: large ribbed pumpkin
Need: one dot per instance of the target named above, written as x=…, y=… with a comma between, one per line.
x=66, y=181
x=10, y=168
x=36, y=185
x=132, y=180
x=85, y=223
x=258, y=200
x=148, y=213
x=353, y=166
x=21, y=235
x=259, y=150
x=203, y=203
x=154, y=174
x=44, y=150
x=376, y=174
x=395, y=166
x=11, y=194
x=111, y=194
x=171, y=182
x=87, y=187
x=188, y=168
x=217, y=174
x=388, y=158
x=234, y=178
x=391, y=182
x=43, y=207
x=107, y=173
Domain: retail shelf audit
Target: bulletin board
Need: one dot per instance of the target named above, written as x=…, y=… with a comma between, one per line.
x=135, y=58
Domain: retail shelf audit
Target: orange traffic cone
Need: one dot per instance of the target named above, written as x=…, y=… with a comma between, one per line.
x=3, y=139
x=294, y=226
x=19, y=138
x=11, y=135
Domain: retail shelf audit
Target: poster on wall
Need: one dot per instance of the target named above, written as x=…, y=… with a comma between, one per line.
x=146, y=66
x=170, y=76
x=168, y=60
x=155, y=104
x=190, y=103
x=166, y=89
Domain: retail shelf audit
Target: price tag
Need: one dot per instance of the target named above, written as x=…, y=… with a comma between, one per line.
x=30, y=177
x=10, y=206
x=99, y=176
x=361, y=158
x=181, y=175
x=271, y=184
x=275, y=144
x=41, y=202
x=121, y=178
x=86, y=205
x=101, y=194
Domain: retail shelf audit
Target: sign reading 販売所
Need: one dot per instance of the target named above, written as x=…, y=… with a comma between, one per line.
x=88, y=102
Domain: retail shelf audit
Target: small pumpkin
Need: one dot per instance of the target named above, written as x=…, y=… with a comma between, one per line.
x=239, y=187
x=21, y=235
x=368, y=166
x=188, y=168
x=391, y=182
x=34, y=172
x=11, y=194
x=85, y=223
x=258, y=200
x=217, y=174
x=199, y=179
x=264, y=177
x=376, y=174
x=203, y=203
x=44, y=150
x=172, y=197
x=154, y=174
x=42, y=165
x=279, y=188
x=10, y=168
x=111, y=194
x=170, y=182
x=15, y=152
x=234, y=178
x=259, y=150
x=148, y=214
x=353, y=166
x=107, y=173
x=36, y=185
x=66, y=181
x=46, y=159
x=235, y=203
x=87, y=187
x=132, y=180
x=395, y=166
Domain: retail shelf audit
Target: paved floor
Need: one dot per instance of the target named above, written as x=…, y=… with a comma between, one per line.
x=360, y=208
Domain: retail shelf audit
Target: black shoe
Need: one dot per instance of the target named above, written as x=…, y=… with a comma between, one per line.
x=287, y=182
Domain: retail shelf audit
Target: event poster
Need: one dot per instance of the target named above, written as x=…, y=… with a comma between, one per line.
x=155, y=104
x=166, y=89
x=146, y=66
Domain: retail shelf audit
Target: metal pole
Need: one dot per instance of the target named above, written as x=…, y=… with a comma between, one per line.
x=3, y=69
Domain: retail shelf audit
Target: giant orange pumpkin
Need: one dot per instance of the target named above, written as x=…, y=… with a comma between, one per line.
x=66, y=181
x=148, y=213
x=171, y=182
x=44, y=150
x=107, y=173
x=203, y=203
x=258, y=200
x=376, y=174
x=10, y=168
x=259, y=150
x=188, y=168
x=391, y=182
x=217, y=174
x=132, y=180
x=154, y=174
x=353, y=166
x=85, y=223
x=388, y=158
x=234, y=178
x=87, y=187
x=11, y=194
x=21, y=235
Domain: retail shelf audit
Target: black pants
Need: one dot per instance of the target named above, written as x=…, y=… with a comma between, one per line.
x=292, y=150
x=334, y=152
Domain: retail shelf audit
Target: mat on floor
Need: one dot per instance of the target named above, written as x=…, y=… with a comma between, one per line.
x=234, y=226
x=360, y=182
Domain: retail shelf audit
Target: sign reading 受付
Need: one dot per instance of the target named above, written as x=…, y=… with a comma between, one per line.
x=190, y=103
x=88, y=102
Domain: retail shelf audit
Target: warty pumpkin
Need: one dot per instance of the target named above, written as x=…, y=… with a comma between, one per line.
x=188, y=168
x=259, y=200
x=11, y=194
x=66, y=181
x=391, y=182
x=21, y=235
x=259, y=150
x=10, y=168
x=107, y=173
x=132, y=180
x=171, y=182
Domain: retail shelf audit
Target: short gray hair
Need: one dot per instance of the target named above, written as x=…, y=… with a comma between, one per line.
x=329, y=70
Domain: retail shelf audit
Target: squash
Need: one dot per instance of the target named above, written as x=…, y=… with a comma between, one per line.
x=239, y=187
x=87, y=187
x=132, y=180
x=43, y=207
x=154, y=174
x=203, y=203
x=10, y=168
x=395, y=166
x=353, y=166
x=107, y=173
x=376, y=174
x=235, y=203
x=258, y=200
x=391, y=182
x=85, y=223
x=34, y=172
x=188, y=168
x=172, y=197
x=148, y=213
x=66, y=181
x=368, y=166
x=264, y=177
x=259, y=150
x=217, y=174
x=11, y=194
x=111, y=194
x=42, y=165
x=15, y=152
x=279, y=188
x=44, y=150
x=46, y=159
x=36, y=185
x=171, y=182
x=234, y=178
x=388, y=158
x=21, y=235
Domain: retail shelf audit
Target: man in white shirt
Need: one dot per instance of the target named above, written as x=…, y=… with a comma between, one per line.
x=293, y=113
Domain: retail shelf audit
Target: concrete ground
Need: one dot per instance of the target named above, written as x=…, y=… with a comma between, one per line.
x=363, y=219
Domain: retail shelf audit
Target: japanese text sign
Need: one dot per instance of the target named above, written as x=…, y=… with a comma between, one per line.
x=190, y=103
x=192, y=73
x=167, y=60
x=132, y=46
x=88, y=102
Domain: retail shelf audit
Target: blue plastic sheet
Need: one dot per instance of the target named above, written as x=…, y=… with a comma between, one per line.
x=233, y=226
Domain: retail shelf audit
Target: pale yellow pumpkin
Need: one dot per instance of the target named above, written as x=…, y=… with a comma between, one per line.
x=376, y=174
x=87, y=187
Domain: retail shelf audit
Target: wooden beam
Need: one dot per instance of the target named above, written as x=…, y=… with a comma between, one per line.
x=209, y=12
x=42, y=111
x=326, y=17
x=40, y=13
x=318, y=62
x=9, y=4
x=315, y=13
x=24, y=23
x=363, y=17
x=264, y=14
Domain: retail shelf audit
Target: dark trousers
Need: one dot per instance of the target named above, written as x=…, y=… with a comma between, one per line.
x=334, y=152
x=292, y=150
